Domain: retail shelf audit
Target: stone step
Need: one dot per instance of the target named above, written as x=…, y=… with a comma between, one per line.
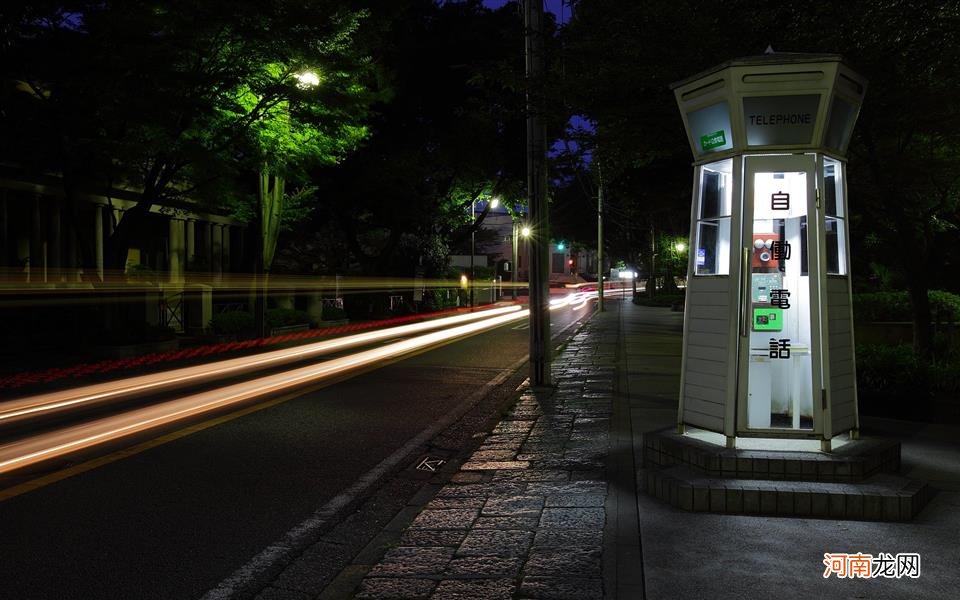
x=855, y=461
x=881, y=497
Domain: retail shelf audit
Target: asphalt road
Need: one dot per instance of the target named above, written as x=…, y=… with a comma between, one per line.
x=176, y=520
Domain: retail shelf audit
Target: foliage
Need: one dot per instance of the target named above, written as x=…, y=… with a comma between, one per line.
x=177, y=102
x=888, y=367
x=895, y=306
x=450, y=135
x=284, y=317
x=904, y=181
x=236, y=323
x=333, y=313
x=440, y=299
x=899, y=369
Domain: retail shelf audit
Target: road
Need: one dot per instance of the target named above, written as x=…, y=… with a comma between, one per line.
x=178, y=518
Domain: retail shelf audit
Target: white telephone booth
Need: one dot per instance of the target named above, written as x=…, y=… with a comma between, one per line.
x=768, y=324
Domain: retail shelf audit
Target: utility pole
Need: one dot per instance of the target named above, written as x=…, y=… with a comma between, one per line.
x=473, y=244
x=516, y=257
x=600, y=241
x=536, y=188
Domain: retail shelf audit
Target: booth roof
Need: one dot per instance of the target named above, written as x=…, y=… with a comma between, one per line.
x=762, y=59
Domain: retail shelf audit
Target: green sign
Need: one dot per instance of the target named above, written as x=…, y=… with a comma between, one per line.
x=767, y=319
x=713, y=140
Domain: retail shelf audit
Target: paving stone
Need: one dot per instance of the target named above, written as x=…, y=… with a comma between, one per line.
x=521, y=522
x=446, y=519
x=495, y=465
x=575, y=518
x=568, y=537
x=492, y=455
x=531, y=475
x=466, y=477
x=483, y=566
x=433, y=537
x=575, y=561
x=575, y=500
x=512, y=506
x=377, y=588
x=561, y=588
x=513, y=427
x=495, y=542
x=505, y=438
x=412, y=561
x=475, y=589
x=573, y=487
x=451, y=503
x=481, y=489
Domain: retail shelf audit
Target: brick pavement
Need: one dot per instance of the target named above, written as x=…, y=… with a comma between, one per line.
x=524, y=516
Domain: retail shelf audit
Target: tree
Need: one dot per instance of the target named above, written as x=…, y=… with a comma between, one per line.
x=450, y=133
x=904, y=162
x=177, y=100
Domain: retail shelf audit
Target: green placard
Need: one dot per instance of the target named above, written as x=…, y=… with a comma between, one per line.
x=766, y=318
x=713, y=140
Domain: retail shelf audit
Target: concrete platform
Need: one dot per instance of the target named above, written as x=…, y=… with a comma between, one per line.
x=857, y=481
x=854, y=461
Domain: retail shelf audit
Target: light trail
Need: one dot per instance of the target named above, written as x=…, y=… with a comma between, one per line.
x=45, y=446
x=46, y=404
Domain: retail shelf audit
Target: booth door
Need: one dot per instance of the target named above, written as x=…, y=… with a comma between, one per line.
x=778, y=377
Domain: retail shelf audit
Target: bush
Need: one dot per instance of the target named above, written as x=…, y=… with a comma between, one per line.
x=439, y=299
x=233, y=323
x=895, y=306
x=284, y=317
x=889, y=368
x=333, y=313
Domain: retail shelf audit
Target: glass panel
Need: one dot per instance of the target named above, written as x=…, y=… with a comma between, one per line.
x=779, y=390
x=834, y=229
x=710, y=128
x=832, y=204
x=713, y=247
x=713, y=226
x=780, y=120
x=842, y=117
x=836, y=246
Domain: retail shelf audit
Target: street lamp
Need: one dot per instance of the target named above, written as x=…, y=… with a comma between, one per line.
x=680, y=246
x=494, y=202
x=270, y=200
x=307, y=79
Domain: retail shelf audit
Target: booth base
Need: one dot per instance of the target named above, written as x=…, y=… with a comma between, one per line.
x=857, y=481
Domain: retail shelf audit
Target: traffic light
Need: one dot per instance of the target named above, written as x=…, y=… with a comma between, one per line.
x=570, y=262
x=560, y=246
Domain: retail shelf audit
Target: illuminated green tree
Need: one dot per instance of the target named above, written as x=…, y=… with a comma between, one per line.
x=180, y=102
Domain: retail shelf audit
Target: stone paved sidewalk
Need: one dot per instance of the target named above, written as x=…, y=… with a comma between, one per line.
x=524, y=516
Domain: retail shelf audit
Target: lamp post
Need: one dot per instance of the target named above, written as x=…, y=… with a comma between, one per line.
x=494, y=202
x=270, y=199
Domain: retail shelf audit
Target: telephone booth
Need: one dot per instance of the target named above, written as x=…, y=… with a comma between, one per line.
x=768, y=323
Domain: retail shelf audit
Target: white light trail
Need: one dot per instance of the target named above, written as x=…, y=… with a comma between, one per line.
x=53, y=444
x=165, y=381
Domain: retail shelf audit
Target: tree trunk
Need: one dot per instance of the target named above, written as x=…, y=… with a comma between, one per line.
x=920, y=304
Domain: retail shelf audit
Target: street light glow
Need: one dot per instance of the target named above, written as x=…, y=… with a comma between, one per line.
x=680, y=246
x=525, y=231
x=307, y=79
x=495, y=202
